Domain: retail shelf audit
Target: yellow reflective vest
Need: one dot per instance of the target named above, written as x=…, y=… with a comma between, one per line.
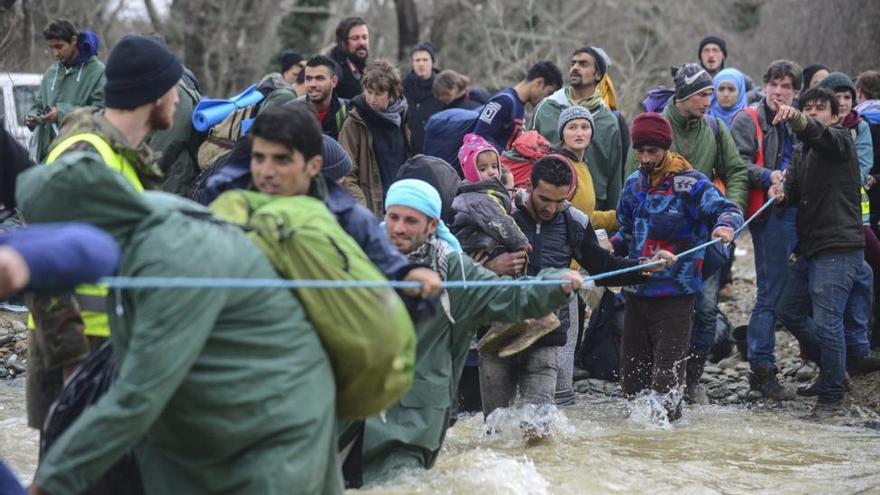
x=92, y=299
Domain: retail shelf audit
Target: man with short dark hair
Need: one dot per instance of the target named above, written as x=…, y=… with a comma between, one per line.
x=350, y=53
x=76, y=79
x=605, y=156
x=558, y=234
x=824, y=182
x=321, y=82
x=767, y=147
x=418, y=87
x=503, y=117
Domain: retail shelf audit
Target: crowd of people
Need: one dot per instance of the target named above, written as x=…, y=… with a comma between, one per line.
x=250, y=390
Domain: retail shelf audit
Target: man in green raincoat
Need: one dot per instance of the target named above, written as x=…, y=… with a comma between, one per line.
x=76, y=79
x=411, y=433
x=218, y=390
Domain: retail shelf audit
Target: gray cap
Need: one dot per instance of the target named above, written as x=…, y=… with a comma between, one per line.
x=690, y=80
x=337, y=163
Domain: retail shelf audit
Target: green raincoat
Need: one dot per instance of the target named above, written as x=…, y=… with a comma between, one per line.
x=179, y=146
x=604, y=156
x=709, y=154
x=219, y=390
x=67, y=89
x=411, y=433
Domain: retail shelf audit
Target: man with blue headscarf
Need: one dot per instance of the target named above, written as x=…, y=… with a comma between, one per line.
x=411, y=433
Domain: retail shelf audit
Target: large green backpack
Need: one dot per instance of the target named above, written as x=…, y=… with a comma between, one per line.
x=367, y=333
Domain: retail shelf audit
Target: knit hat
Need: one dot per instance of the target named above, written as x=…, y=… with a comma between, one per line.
x=139, y=70
x=838, y=81
x=421, y=196
x=717, y=40
x=601, y=58
x=425, y=47
x=472, y=146
x=690, y=80
x=651, y=129
x=289, y=59
x=573, y=113
x=337, y=163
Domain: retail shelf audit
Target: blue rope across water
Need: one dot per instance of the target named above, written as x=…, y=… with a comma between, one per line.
x=254, y=283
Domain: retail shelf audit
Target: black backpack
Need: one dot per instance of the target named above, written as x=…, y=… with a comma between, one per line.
x=599, y=352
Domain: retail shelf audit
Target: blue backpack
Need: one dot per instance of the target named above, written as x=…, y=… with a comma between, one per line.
x=445, y=130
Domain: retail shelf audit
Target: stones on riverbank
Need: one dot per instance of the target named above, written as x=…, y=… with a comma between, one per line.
x=13, y=345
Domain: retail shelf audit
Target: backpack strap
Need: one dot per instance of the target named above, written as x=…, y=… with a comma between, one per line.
x=752, y=112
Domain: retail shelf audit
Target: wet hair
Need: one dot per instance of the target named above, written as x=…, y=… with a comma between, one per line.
x=820, y=94
x=322, y=61
x=344, y=26
x=548, y=71
x=449, y=80
x=553, y=170
x=781, y=68
x=293, y=126
x=380, y=75
x=60, y=29
x=869, y=84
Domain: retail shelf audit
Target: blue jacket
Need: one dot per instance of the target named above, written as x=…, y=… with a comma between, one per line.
x=676, y=215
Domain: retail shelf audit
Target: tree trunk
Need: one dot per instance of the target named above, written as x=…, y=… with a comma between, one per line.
x=407, y=27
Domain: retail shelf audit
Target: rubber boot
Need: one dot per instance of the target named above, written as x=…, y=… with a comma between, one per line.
x=763, y=379
x=694, y=391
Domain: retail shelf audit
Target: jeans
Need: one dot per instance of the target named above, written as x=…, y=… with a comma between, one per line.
x=533, y=371
x=774, y=241
x=654, y=344
x=705, y=316
x=823, y=285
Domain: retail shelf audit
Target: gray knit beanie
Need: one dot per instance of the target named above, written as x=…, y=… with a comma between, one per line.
x=337, y=163
x=573, y=113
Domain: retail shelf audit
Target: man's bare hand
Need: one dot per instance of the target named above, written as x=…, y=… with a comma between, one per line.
x=51, y=116
x=575, y=279
x=14, y=272
x=777, y=192
x=786, y=114
x=724, y=233
x=508, y=263
x=431, y=283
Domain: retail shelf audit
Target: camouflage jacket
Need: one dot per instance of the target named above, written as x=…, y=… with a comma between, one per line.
x=92, y=120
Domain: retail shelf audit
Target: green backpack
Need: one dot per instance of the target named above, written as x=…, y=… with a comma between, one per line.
x=367, y=333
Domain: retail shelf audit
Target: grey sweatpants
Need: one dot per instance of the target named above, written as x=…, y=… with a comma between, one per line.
x=532, y=371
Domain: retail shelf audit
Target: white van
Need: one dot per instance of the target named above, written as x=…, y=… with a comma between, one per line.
x=17, y=93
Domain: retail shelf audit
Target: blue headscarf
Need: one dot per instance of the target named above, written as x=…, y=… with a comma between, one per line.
x=739, y=80
x=421, y=196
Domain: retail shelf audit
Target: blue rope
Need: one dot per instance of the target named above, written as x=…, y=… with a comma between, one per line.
x=255, y=283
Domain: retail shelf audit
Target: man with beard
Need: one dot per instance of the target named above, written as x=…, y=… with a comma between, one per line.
x=605, y=155
x=418, y=87
x=321, y=82
x=351, y=52
x=141, y=96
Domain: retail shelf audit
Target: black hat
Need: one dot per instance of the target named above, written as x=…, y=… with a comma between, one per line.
x=690, y=80
x=717, y=40
x=289, y=59
x=425, y=47
x=139, y=70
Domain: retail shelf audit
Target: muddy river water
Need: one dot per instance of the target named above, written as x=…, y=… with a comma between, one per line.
x=607, y=445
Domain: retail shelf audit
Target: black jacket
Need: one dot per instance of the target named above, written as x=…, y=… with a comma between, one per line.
x=824, y=183
x=554, y=247
x=349, y=84
x=13, y=160
x=422, y=104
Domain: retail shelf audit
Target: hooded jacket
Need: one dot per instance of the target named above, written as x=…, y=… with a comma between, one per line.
x=604, y=157
x=824, y=184
x=675, y=209
x=411, y=433
x=710, y=154
x=364, y=182
x=483, y=221
x=422, y=104
x=219, y=390
x=66, y=88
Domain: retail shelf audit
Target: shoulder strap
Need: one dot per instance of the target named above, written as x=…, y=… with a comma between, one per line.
x=752, y=112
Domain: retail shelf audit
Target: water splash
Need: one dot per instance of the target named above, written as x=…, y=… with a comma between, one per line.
x=651, y=409
x=519, y=424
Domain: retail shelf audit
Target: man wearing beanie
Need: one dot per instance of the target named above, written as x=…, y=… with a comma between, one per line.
x=706, y=143
x=140, y=95
x=712, y=54
x=665, y=204
x=605, y=156
x=418, y=87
